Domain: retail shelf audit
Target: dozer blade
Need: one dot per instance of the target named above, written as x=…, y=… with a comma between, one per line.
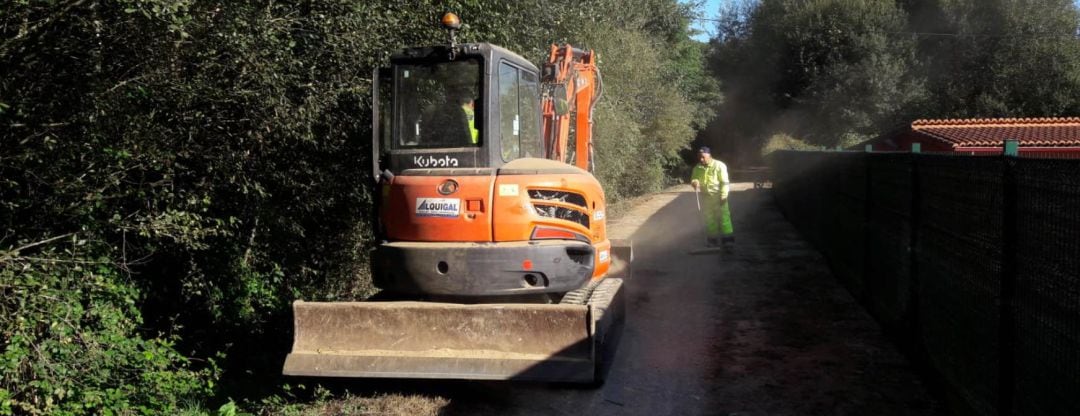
x=444, y=341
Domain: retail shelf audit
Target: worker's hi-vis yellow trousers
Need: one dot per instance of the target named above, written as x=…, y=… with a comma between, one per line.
x=717, y=217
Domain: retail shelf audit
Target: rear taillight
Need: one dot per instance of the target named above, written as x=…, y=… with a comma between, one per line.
x=546, y=233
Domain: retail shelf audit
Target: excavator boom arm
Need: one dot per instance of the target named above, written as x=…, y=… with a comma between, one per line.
x=571, y=86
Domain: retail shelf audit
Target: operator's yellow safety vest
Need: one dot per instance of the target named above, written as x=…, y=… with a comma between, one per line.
x=713, y=178
x=471, y=116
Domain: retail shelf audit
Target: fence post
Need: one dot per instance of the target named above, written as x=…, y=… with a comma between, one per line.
x=1006, y=302
x=863, y=296
x=915, y=222
x=1011, y=148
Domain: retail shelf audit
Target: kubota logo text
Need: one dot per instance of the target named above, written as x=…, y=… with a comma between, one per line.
x=435, y=162
x=438, y=207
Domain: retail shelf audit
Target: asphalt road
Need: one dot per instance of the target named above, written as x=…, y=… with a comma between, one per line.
x=763, y=331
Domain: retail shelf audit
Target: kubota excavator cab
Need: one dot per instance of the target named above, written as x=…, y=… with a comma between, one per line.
x=475, y=107
x=468, y=206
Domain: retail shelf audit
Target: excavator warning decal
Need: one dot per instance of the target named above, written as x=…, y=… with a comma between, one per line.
x=579, y=84
x=438, y=207
x=508, y=189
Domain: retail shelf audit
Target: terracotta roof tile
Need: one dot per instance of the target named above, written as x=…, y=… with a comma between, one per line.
x=1031, y=132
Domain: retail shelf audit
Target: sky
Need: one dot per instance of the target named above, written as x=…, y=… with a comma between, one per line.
x=711, y=8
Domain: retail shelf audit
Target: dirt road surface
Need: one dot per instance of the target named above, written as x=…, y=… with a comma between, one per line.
x=763, y=331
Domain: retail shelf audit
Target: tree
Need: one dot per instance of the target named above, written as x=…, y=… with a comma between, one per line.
x=999, y=58
x=210, y=162
x=833, y=72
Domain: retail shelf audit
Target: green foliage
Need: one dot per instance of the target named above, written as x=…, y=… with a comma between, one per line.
x=783, y=141
x=635, y=118
x=657, y=94
x=1007, y=58
x=819, y=69
x=72, y=341
x=214, y=161
x=838, y=72
x=227, y=409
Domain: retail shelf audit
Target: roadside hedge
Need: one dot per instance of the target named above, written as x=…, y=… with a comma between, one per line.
x=173, y=173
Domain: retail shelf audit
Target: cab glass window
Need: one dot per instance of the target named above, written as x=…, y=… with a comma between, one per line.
x=529, y=102
x=435, y=105
x=519, y=113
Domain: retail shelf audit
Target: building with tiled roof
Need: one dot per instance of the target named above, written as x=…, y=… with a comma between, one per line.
x=985, y=135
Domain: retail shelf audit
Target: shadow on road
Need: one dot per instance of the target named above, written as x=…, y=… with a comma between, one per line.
x=763, y=331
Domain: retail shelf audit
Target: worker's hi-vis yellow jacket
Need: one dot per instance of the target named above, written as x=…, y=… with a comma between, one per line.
x=470, y=115
x=713, y=178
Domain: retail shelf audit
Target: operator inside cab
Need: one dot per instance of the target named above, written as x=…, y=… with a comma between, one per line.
x=438, y=104
x=468, y=107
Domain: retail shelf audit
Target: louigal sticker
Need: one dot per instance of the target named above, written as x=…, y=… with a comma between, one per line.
x=438, y=207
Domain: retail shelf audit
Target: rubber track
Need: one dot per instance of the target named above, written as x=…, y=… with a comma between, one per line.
x=581, y=296
x=603, y=295
x=599, y=293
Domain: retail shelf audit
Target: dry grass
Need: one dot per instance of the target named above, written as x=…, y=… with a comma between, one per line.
x=386, y=404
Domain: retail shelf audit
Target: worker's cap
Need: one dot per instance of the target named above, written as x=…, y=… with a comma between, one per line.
x=705, y=150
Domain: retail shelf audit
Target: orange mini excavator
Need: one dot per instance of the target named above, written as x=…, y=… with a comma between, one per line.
x=494, y=253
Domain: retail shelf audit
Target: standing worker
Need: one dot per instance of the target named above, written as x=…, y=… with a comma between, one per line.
x=711, y=175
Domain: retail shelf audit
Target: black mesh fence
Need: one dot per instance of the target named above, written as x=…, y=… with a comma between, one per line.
x=1047, y=287
x=972, y=262
x=958, y=258
x=887, y=290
